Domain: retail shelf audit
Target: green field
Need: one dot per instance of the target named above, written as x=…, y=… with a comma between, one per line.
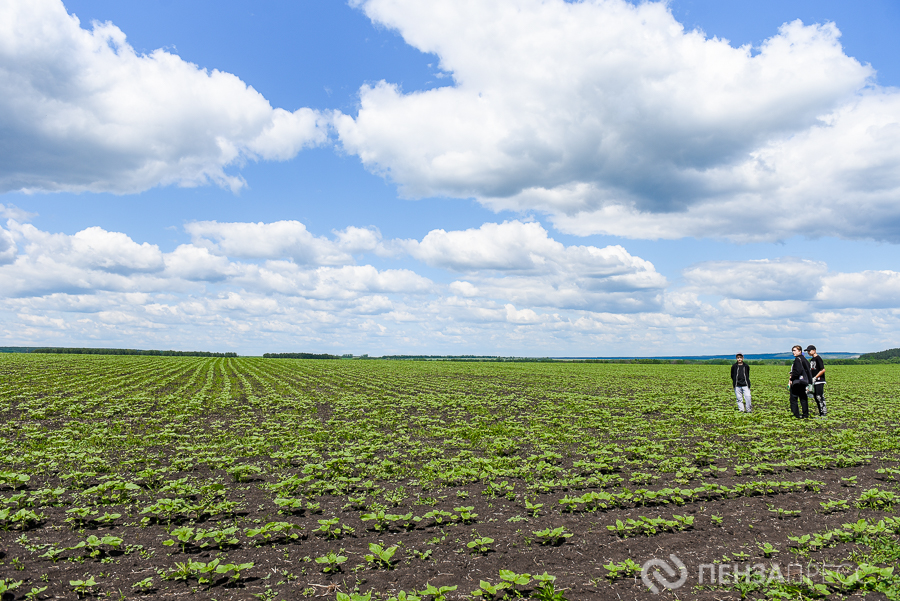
x=227, y=478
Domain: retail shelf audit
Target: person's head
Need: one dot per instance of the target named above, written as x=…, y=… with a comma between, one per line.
x=797, y=350
x=739, y=357
x=811, y=350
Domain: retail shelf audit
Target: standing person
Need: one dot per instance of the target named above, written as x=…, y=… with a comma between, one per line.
x=800, y=378
x=817, y=372
x=740, y=380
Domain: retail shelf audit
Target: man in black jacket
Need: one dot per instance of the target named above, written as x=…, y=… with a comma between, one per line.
x=817, y=369
x=799, y=378
x=740, y=380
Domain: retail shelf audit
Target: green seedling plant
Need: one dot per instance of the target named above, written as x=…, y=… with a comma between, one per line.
x=767, y=549
x=439, y=517
x=552, y=536
x=204, y=572
x=52, y=553
x=356, y=503
x=184, y=535
x=782, y=513
x=9, y=585
x=14, y=479
x=404, y=596
x=877, y=499
x=480, y=545
x=395, y=497
x=380, y=556
x=20, y=500
x=243, y=472
x=80, y=516
x=622, y=569
x=382, y=521
x=355, y=597
x=887, y=473
x=144, y=586
x=834, y=505
x=22, y=519
x=94, y=544
x=515, y=579
x=533, y=508
x=290, y=504
x=329, y=528
x=83, y=587
x=863, y=578
x=331, y=561
x=34, y=593
x=546, y=589
x=111, y=492
x=108, y=518
x=221, y=537
x=495, y=489
x=488, y=590
x=510, y=579
x=276, y=531
x=801, y=544
x=620, y=528
x=438, y=593
x=466, y=514
x=642, y=478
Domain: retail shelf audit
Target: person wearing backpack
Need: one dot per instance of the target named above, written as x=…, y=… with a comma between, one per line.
x=740, y=380
x=817, y=372
x=799, y=380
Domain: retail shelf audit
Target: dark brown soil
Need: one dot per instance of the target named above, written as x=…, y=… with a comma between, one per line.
x=287, y=570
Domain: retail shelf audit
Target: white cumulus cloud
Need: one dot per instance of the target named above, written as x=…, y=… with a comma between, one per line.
x=81, y=110
x=511, y=289
x=612, y=118
x=520, y=262
x=864, y=289
x=8, y=248
x=761, y=280
x=274, y=240
x=91, y=248
x=789, y=285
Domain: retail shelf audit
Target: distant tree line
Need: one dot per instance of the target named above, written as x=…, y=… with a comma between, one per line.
x=299, y=356
x=128, y=351
x=888, y=355
x=440, y=357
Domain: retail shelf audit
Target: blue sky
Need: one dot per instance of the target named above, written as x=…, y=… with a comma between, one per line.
x=528, y=178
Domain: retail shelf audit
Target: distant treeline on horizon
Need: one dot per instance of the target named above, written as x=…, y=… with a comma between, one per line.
x=128, y=351
x=880, y=357
x=888, y=356
x=303, y=356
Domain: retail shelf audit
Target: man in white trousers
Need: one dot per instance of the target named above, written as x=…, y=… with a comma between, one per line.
x=740, y=380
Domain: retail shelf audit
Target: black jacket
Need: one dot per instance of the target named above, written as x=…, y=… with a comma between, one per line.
x=734, y=369
x=800, y=368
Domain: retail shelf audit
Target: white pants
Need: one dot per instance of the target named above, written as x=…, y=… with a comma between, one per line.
x=743, y=395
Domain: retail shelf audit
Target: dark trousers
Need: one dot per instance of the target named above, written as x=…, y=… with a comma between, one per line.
x=798, y=391
x=820, y=399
